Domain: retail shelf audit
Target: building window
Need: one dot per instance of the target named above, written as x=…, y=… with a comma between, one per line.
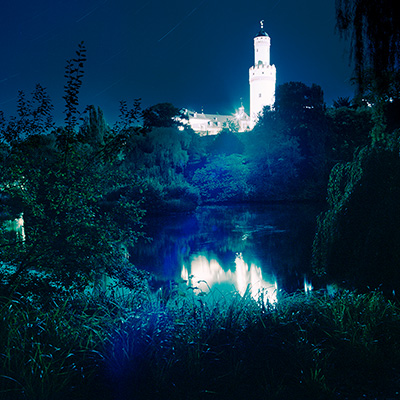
x=259, y=95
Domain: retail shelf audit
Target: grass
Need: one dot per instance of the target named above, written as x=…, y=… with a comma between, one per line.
x=207, y=347
x=45, y=349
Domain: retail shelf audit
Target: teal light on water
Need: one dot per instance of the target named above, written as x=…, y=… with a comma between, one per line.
x=204, y=274
x=308, y=287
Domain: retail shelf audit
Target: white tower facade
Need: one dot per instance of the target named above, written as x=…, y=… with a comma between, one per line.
x=262, y=76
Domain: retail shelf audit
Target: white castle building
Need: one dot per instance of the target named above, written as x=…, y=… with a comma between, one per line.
x=212, y=124
x=262, y=79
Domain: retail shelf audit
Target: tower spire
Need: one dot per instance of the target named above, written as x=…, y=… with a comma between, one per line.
x=262, y=24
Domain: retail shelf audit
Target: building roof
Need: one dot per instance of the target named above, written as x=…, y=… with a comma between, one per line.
x=211, y=124
x=211, y=117
x=262, y=33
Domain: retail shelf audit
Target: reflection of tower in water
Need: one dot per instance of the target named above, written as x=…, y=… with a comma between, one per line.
x=204, y=273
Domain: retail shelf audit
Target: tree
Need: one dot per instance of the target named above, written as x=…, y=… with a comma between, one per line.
x=160, y=158
x=357, y=237
x=226, y=142
x=169, y=149
x=297, y=101
x=274, y=158
x=223, y=178
x=162, y=115
x=302, y=109
x=94, y=128
x=342, y=102
x=374, y=28
x=78, y=207
x=350, y=128
x=33, y=116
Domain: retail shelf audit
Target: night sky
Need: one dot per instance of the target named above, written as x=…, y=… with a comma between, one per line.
x=193, y=53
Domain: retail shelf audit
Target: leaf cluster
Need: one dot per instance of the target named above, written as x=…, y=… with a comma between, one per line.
x=73, y=74
x=34, y=116
x=374, y=29
x=78, y=208
x=359, y=230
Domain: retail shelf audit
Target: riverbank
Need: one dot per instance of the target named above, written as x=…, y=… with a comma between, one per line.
x=148, y=346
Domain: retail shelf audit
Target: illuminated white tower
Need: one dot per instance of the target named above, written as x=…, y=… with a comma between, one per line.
x=262, y=76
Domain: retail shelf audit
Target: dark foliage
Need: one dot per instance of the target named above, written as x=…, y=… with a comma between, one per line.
x=128, y=117
x=75, y=205
x=357, y=238
x=274, y=159
x=349, y=129
x=302, y=108
x=342, y=102
x=73, y=74
x=33, y=117
x=226, y=142
x=374, y=27
x=162, y=115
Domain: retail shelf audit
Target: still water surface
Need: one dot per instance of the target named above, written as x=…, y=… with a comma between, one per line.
x=231, y=247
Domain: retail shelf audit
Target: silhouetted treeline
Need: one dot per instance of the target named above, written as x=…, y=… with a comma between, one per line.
x=286, y=157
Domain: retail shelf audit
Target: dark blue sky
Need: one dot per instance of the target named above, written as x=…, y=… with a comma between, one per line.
x=192, y=53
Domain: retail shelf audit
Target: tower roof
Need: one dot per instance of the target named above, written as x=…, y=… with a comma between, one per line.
x=262, y=32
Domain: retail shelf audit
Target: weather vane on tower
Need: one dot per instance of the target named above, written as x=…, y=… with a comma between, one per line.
x=262, y=24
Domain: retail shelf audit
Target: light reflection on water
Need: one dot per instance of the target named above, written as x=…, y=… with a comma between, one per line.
x=264, y=247
x=204, y=274
x=16, y=225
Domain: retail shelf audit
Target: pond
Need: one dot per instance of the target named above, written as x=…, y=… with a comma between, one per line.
x=263, y=247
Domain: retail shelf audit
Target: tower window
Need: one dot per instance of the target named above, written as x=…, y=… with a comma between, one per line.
x=259, y=95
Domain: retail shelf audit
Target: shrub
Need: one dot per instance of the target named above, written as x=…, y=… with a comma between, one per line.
x=357, y=238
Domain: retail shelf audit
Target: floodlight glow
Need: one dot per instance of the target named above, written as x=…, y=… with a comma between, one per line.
x=308, y=287
x=203, y=274
x=17, y=225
